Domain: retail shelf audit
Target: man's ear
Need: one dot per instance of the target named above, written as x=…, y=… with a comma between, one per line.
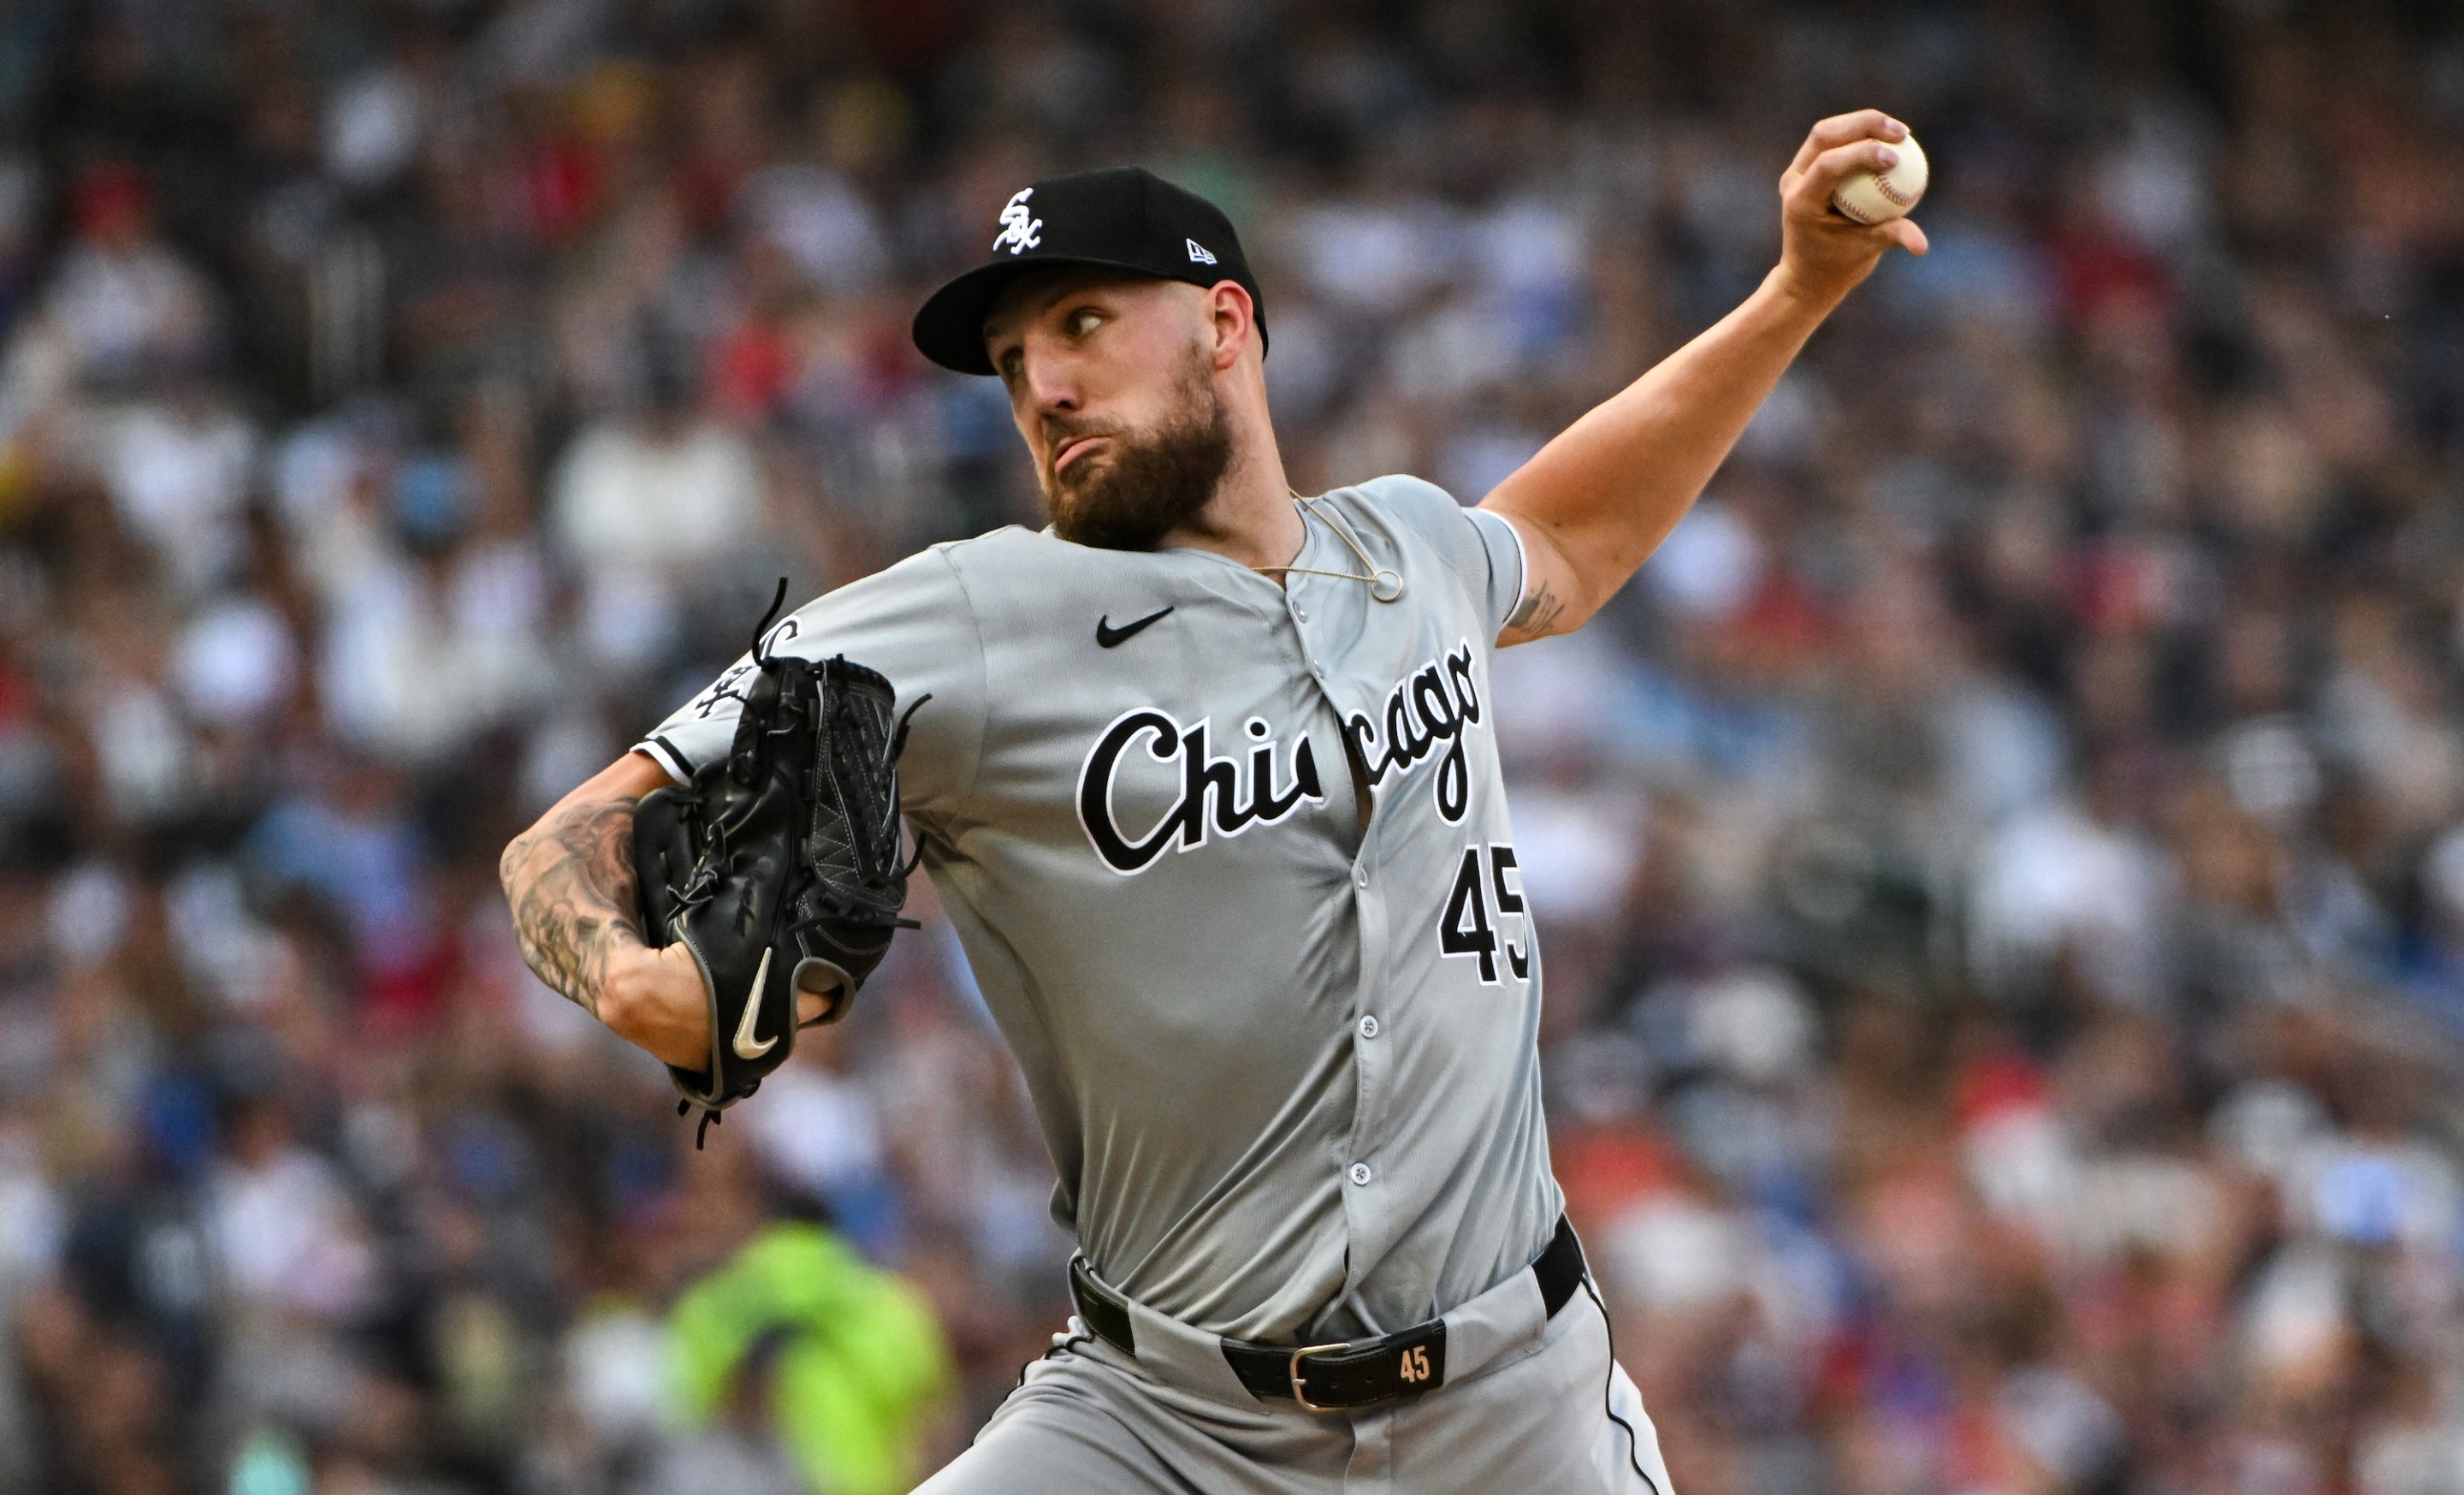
x=1236, y=321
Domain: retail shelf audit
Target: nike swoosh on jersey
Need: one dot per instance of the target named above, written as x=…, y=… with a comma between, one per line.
x=745, y=1047
x=1107, y=636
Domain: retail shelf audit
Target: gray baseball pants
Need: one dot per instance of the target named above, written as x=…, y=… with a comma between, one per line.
x=1530, y=1406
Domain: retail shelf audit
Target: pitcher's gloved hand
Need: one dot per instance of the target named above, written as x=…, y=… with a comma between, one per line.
x=778, y=868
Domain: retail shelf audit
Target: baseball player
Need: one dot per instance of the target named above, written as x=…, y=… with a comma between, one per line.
x=1206, y=775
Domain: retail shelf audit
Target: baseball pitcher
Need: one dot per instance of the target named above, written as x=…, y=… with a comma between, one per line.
x=1206, y=775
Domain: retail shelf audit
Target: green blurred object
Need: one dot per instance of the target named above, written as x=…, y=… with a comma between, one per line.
x=482, y=1368
x=860, y=1370
x=270, y=1463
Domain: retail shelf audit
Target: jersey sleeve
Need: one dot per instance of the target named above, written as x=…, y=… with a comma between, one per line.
x=913, y=623
x=1485, y=551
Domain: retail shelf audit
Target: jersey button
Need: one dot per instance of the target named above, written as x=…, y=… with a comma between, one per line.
x=1368, y=1025
x=1361, y=877
x=1360, y=1173
x=1317, y=670
x=1300, y=612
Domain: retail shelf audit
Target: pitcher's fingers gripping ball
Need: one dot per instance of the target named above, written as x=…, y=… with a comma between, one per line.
x=1871, y=197
x=1843, y=203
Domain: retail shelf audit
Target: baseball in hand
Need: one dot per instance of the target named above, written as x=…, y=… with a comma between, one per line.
x=1872, y=197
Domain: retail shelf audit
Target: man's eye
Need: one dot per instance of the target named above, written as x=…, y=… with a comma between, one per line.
x=1084, y=321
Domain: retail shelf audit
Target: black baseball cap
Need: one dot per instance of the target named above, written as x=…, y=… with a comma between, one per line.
x=1120, y=218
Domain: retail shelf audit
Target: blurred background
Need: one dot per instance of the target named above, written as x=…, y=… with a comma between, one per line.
x=2001, y=865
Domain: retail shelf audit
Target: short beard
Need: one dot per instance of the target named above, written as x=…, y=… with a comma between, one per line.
x=1146, y=487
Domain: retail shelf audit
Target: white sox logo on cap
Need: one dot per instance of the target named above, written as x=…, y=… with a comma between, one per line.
x=1020, y=232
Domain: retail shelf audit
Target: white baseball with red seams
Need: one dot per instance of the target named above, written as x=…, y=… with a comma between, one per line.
x=1877, y=197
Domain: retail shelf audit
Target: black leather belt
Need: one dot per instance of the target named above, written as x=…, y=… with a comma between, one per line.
x=1335, y=1377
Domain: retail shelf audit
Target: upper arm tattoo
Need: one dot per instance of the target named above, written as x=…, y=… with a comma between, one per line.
x=1537, y=613
x=570, y=881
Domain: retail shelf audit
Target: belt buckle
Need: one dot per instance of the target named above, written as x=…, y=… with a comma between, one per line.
x=1293, y=1373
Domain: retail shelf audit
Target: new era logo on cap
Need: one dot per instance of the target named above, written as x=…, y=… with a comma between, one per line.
x=1197, y=255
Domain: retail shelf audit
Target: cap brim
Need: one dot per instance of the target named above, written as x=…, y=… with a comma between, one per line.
x=949, y=328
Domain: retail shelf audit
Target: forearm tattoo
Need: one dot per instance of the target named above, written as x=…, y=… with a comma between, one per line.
x=570, y=881
x=1538, y=612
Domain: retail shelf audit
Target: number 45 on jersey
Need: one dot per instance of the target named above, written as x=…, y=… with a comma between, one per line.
x=1465, y=930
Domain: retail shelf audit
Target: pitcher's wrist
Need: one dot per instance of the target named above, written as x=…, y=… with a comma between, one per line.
x=653, y=999
x=1814, y=296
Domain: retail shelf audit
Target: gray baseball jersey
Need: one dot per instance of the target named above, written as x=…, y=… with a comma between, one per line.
x=1285, y=1063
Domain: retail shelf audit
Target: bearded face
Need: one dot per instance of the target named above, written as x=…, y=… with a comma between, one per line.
x=1142, y=484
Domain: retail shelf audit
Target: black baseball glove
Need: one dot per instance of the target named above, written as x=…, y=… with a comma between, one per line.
x=778, y=867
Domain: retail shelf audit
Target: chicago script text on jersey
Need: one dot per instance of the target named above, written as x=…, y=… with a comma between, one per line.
x=1219, y=796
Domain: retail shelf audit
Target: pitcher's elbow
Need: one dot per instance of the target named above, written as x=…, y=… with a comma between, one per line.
x=509, y=863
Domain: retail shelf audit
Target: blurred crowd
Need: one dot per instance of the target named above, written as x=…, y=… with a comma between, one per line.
x=2001, y=865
